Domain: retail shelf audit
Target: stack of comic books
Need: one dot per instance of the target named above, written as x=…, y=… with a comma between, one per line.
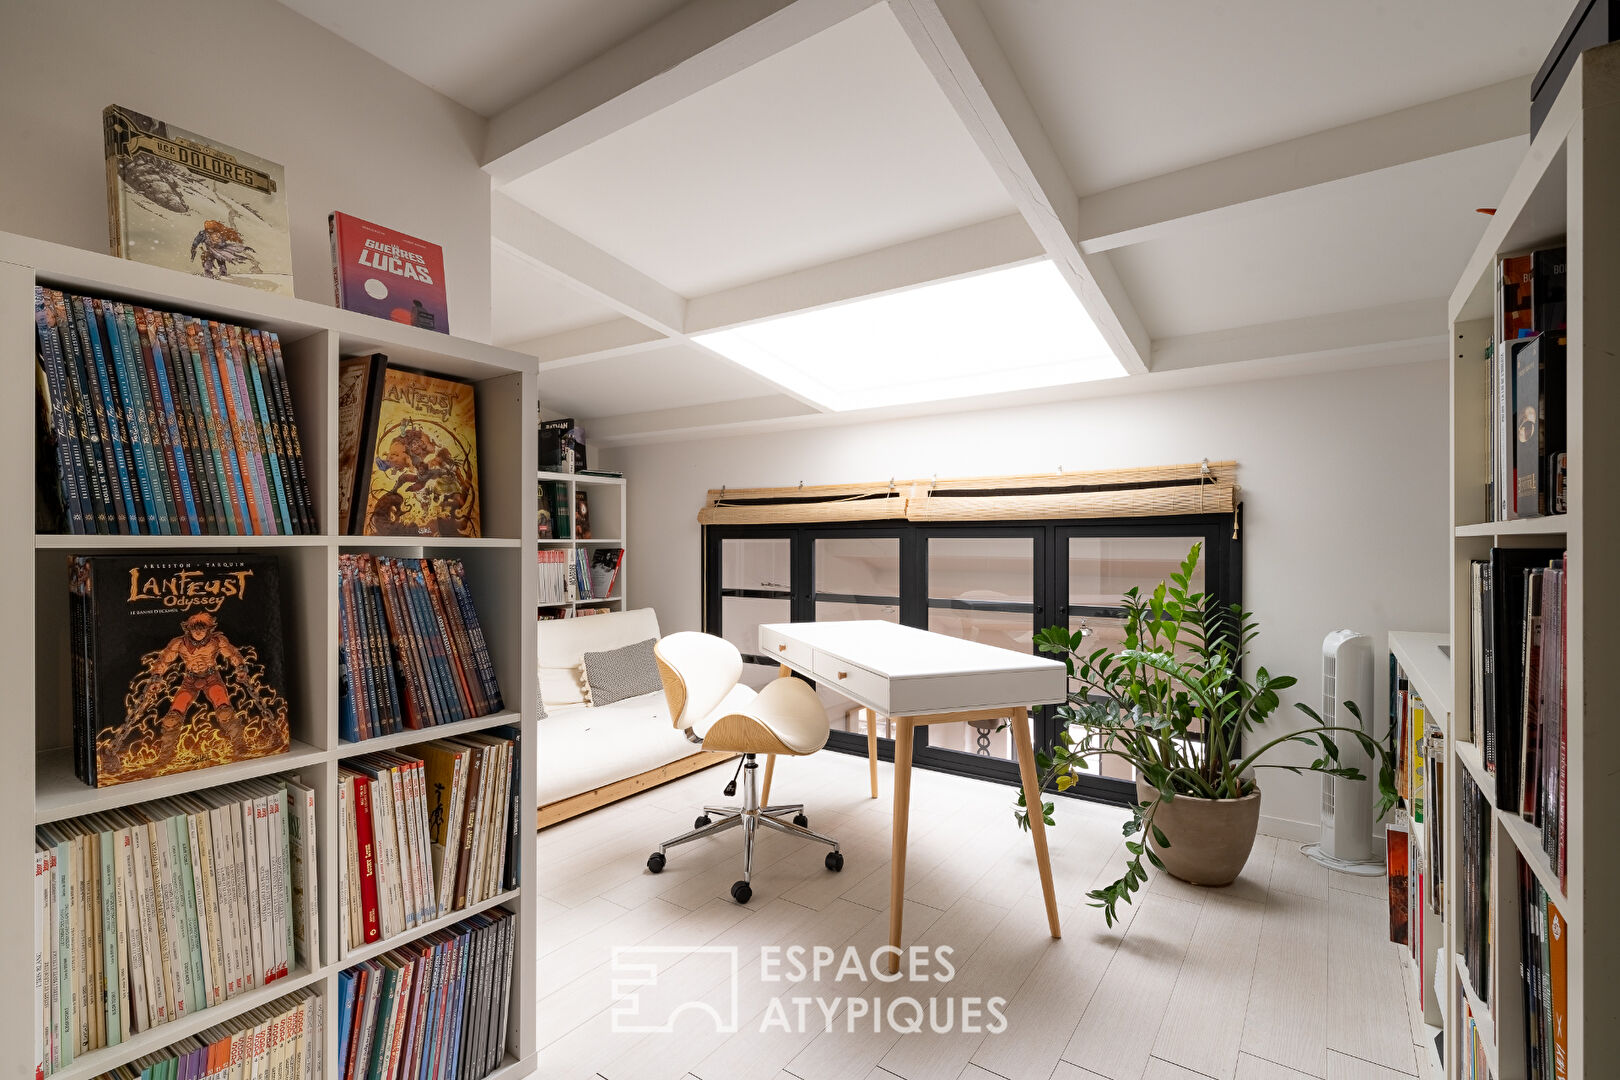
x=411, y=652
x=434, y=1008
x=282, y=1038
x=150, y=913
x=157, y=423
x=426, y=832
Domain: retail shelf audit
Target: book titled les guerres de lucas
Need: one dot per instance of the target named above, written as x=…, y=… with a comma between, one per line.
x=177, y=663
x=389, y=274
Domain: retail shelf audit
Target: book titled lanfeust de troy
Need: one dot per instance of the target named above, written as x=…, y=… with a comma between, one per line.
x=177, y=664
x=386, y=273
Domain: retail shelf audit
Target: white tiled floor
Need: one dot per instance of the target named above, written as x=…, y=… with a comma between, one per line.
x=1287, y=974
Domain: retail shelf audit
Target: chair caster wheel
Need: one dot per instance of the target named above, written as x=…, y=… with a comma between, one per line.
x=702, y=822
x=655, y=862
x=801, y=821
x=835, y=861
x=742, y=892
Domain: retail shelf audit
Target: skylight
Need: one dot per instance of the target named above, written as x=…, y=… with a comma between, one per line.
x=1021, y=328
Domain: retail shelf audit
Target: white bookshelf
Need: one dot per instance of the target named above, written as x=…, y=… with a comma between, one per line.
x=1563, y=190
x=34, y=668
x=609, y=502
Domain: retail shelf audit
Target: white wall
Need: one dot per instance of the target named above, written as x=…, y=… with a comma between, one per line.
x=352, y=133
x=1343, y=479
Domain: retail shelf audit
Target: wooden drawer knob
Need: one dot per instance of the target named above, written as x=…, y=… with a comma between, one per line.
x=843, y=674
x=781, y=648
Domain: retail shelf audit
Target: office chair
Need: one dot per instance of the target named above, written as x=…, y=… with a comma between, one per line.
x=700, y=674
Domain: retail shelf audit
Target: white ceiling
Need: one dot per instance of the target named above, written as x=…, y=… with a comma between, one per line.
x=843, y=143
x=839, y=145
x=526, y=302
x=1132, y=90
x=484, y=54
x=1379, y=238
x=671, y=377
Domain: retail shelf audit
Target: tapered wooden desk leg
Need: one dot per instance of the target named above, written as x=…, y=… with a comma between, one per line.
x=770, y=769
x=1019, y=720
x=871, y=748
x=902, y=817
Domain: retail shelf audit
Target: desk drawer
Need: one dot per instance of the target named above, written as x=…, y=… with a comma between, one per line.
x=786, y=651
x=852, y=680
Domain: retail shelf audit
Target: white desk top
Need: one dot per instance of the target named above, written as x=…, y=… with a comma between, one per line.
x=911, y=670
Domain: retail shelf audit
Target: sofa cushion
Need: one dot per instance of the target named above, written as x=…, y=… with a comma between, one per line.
x=615, y=674
x=561, y=645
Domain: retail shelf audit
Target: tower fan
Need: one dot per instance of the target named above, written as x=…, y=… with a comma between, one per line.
x=1347, y=805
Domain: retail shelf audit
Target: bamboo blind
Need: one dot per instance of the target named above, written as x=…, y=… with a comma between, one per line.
x=1155, y=491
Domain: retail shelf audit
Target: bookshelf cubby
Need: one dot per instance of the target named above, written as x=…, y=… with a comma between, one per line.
x=34, y=668
x=608, y=499
x=1562, y=191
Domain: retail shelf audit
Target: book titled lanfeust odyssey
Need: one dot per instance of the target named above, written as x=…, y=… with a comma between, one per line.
x=388, y=274
x=181, y=201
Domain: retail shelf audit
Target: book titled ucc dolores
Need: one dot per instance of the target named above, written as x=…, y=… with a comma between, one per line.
x=388, y=274
x=177, y=664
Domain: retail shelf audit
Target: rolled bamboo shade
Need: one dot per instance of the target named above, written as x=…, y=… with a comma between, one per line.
x=1155, y=491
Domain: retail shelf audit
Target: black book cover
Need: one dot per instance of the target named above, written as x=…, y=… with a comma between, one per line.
x=185, y=659
x=1507, y=615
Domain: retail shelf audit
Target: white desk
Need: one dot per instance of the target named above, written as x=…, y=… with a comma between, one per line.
x=916, y=677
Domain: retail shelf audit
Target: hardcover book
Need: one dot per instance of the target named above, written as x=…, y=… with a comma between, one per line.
x=178, y=200
x=421, y=445
x=389, y=274
x=177, y=663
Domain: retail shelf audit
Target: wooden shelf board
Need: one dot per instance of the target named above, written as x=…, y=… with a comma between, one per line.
x=59, y=794
x=151, y=1040
x=1427, y=668
x=420, y=735
x=377, y=948
x=1474, y=762
x=363, y=543
x=601, y=543
x=68, y=542
x=1551, y=525
x=599, y=481
x=1527, y=838
x=1482, y=1015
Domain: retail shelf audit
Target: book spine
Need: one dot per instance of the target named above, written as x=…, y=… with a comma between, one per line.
x=310, y=876
x=253, y=947
x=142, y=419
x=122, y=420
x=433, y=634
x=368, y=860
x=453, y=636
x=348, y=867
x=197, y=417
x=235, y=470
x=64, y=419
x=106, y=420
x=258, y=381
x=99, y=490
x=298, y=494
x=245, y=428
x=350, y=670
x=486, y=666
x=166, y=365
x=417, y=714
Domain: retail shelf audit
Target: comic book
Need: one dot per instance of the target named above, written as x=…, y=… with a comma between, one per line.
x=389, y=274
x=422, y=445
x=178, y=200
x=178, y=663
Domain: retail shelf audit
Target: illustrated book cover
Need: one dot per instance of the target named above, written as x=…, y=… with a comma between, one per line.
x=389, y=274
x=178, y=663
x=358, y=377
x=421, y=464
x=178, y=200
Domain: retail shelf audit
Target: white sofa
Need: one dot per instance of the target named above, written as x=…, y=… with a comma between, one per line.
x=592, y=755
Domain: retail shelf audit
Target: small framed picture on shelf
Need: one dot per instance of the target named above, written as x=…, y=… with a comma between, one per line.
x=582, y=516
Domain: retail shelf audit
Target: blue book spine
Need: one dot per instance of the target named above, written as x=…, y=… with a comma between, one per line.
x=122, y=323
x=233, y=468
x=170, y=400
x=443, y=679
x=348, y=721
x=267, y=429
x=64, y=426
x=135, y=433
x=345, y=1017
x=458, y=1005
x=106, y=407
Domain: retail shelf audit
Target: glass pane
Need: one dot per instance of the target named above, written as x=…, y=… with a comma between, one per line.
x=740, y=617
x=868, y=566
x=756, y=564
x=982, y=575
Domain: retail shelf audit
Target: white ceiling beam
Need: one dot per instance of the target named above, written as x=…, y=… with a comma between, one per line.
x=599, y=341
x=1134, y=213
x=690, y=49
x=971, y=249
x=559, y=253
x=1416, y=323
x=957, y=45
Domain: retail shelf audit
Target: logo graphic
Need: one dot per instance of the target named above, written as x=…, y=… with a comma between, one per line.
x=639, y=1006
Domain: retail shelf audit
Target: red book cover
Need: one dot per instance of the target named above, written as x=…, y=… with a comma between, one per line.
x=368, y=857
x=388, y=274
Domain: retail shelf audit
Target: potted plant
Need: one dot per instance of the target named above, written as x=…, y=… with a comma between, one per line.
x=1173, y=701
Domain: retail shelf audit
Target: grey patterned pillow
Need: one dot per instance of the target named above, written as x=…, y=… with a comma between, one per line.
x=625, y=672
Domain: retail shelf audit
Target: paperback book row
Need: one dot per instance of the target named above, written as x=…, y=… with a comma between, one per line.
x=411, y=651
x=570, y=575
x=558, y=519
x=153, y=912
x=1519, y=706
x=407, y=451
x=1476, y=900
x=1526, y=370
x=1475, y=1062
x=176, y=663
x=156, y=423
x=1544, y=970
x=428, y=833
x=1420, y=786
x=433, y=1010
x=279, y=1040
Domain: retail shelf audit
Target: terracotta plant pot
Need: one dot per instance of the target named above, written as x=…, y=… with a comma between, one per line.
x=1210, y=839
